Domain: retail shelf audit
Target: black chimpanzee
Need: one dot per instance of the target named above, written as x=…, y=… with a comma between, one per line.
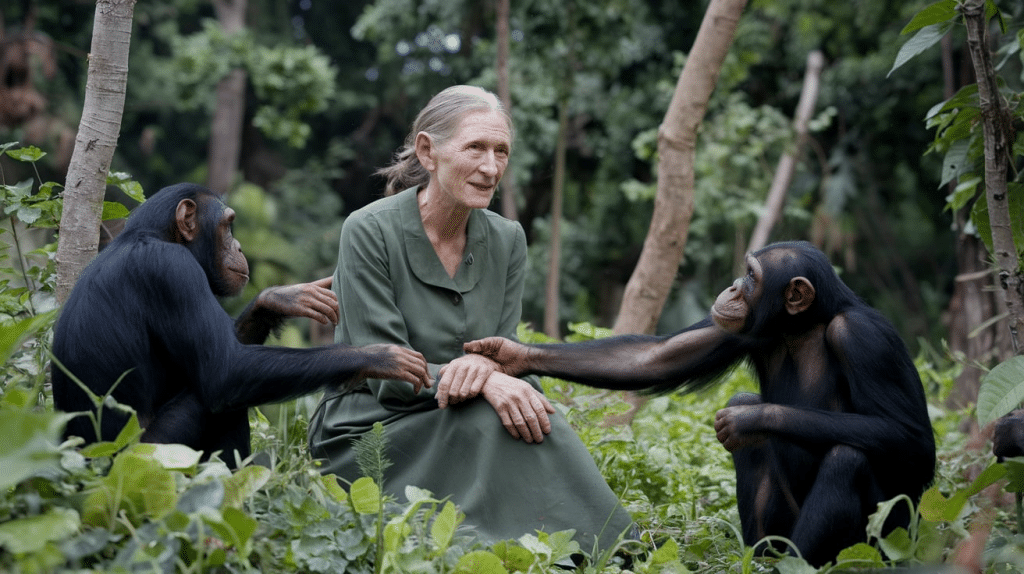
x=841, y=422
x=146, y=309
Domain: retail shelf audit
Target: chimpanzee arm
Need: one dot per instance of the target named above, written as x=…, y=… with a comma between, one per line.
x=268, y=310
x=691, y=358
x=191, y=326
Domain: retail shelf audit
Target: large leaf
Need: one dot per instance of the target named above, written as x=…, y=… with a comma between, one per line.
x=444, y=525
x=1002, y=390
x=365, y=496
x=31, y=534
x=937, y=508
x=29, y=443
x=925, y=38
x=13, y=335
x=480, y=562
x=936, y=13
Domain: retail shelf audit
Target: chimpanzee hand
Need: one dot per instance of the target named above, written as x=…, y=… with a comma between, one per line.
x=314, y=300
x=396, y=362
x=739, y=426
x=522, y=409
x=509, y=355
x=463, y=379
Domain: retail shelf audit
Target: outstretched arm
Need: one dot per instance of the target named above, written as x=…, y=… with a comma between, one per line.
x=690, y=358
x=192, y=327
x=273, y=305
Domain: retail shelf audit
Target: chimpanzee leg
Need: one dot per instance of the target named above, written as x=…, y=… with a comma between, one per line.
x=227, y=432
x=184, y=420
x=773, y=478
x=179, y=421
x=763, y=508
x=834, y=514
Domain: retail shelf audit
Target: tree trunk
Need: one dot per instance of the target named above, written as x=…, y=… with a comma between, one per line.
x=508, y=183
x=996, y=123
x=226, y=130
x=551, y=326
x=94, y=145
x=787, y=163
x=651, y=281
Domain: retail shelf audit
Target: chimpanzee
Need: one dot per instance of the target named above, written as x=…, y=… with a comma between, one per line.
x=841, y=422
x=144, y=316
x=1008, y=436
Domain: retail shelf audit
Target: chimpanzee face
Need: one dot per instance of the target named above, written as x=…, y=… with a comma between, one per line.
x=733, y=306
x=762, y=299
x=232, y=267
x=206, y=230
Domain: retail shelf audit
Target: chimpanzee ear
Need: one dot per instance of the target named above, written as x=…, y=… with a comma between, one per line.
x=186, y=220
x=799, y=295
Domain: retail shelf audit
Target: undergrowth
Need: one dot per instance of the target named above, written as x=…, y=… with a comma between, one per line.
x=130, y=507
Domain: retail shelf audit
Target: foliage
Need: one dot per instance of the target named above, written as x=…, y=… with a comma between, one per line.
x=959, y=139
x=291, y=83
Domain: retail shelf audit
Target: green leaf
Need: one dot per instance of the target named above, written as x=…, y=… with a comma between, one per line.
x=114, y=210
x=897, y=545
x=937, y=508
x=13, y=335
x=862, y=555
x=31, y=534
x=925, y=38
x=1014, y=474
x=937, y=13
x=966, y=189
x=979, y=217
x=444, y=525
x=514, y=557
x=330, y=484
x=480, y=562
x=138, y=485
x=1001, y=391
x=244, y=483
x=29, y=444
x=30, y=153
x=170, y=456
x=794, y=565
x=365, y=496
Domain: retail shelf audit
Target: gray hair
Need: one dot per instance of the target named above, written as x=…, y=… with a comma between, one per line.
x=438, y=119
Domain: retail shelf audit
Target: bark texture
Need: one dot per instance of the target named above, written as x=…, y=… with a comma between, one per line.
x=95, y=143
x=649, y=285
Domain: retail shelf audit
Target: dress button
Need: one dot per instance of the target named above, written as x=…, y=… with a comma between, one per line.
x=456, y=298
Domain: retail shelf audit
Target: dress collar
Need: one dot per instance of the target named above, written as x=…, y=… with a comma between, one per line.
x=424, y=260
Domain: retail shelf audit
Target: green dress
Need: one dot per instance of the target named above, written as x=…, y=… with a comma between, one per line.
x=392, y=288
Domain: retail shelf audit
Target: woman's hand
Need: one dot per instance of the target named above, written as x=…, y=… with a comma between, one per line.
x=463, y=379
x=523, y=410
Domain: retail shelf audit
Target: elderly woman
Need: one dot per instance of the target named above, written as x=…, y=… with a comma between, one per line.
x=428, y=267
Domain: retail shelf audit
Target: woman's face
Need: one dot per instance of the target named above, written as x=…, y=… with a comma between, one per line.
x=468, y=167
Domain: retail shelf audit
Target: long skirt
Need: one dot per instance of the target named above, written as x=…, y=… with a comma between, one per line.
x=506, y=487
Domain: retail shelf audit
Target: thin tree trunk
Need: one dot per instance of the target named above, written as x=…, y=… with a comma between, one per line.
x=997, y=128
x=508, y=182
x=551, y=326
x=98, y=131
x=787, y=163
x=651, y=281
x=225, y=143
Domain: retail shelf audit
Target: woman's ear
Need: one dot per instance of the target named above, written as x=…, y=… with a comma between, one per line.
x=425, y=151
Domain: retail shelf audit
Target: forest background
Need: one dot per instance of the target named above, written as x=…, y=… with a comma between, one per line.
x=330, y=88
